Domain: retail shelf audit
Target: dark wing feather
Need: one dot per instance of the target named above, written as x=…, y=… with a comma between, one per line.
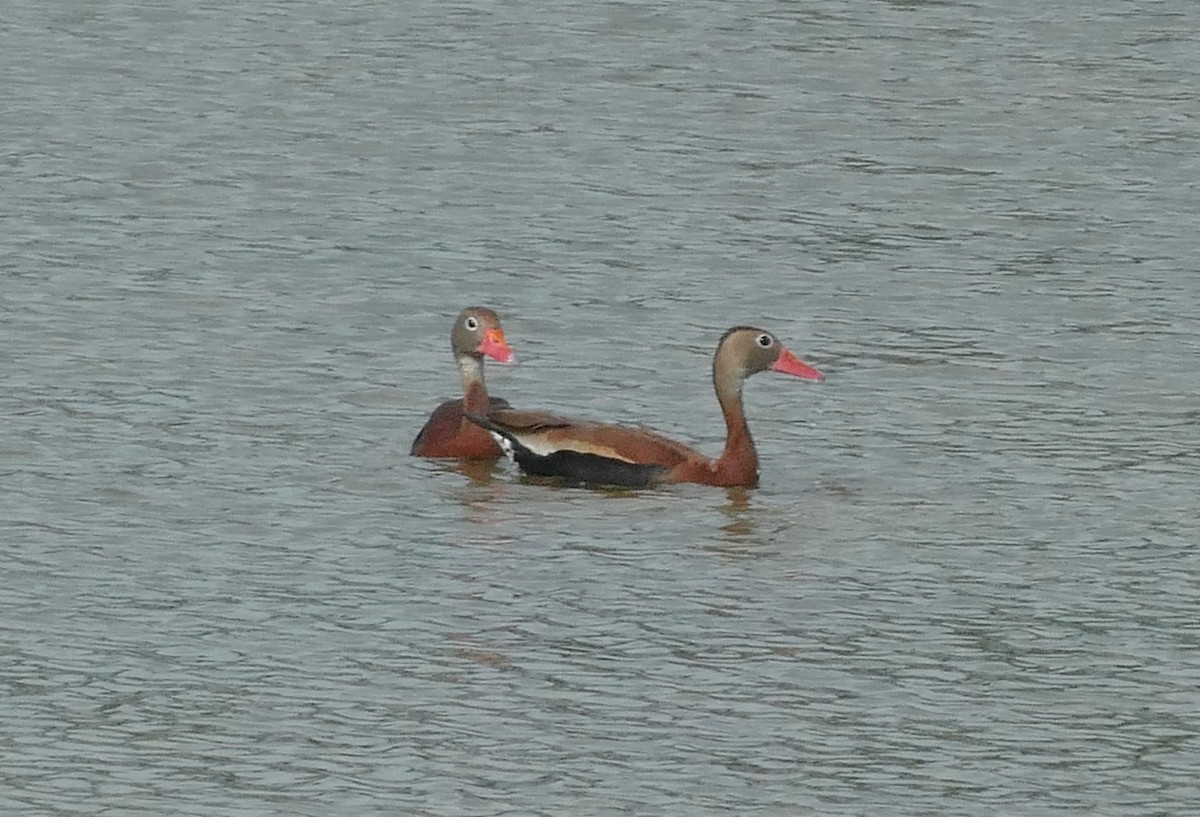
x=588, y=469
x=574, y=467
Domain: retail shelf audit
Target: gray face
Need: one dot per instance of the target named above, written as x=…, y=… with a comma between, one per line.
x=746, y=351
x=765, y=352
x=469, y=330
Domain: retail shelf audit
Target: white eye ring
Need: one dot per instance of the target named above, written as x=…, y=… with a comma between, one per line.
x=765, y=340
x=471, y=323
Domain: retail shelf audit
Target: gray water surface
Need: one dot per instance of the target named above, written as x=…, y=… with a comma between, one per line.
x=234, y=237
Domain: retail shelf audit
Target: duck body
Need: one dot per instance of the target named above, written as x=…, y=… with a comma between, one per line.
x=585, y=452
x=448, y=432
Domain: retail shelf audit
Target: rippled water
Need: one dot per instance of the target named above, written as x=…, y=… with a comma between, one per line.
x=234, y=237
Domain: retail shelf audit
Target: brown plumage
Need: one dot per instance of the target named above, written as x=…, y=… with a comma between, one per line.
x=545, y=444
x=448, y=432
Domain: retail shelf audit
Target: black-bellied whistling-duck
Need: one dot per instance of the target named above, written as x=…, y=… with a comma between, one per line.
x=601, y=454
x=448, y=432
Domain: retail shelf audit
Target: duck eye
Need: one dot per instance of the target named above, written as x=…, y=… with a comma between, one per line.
x=765, y=340
x=471, y=323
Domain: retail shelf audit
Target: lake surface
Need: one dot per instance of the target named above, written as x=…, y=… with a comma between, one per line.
x=234, y=237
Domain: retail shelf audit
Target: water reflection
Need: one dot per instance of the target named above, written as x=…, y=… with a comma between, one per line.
x=477, y=497
x=741, y=524
x=478, y=472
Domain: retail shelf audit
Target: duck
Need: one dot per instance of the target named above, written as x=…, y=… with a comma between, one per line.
x=476, y=334
x=603, y=454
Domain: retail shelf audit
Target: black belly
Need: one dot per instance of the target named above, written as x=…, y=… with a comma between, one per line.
x=588, y=469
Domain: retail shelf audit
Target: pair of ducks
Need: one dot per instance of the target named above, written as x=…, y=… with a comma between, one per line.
x=580, y=451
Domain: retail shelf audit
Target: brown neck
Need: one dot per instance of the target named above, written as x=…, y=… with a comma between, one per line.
x=739, y=459
x=470, y=372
